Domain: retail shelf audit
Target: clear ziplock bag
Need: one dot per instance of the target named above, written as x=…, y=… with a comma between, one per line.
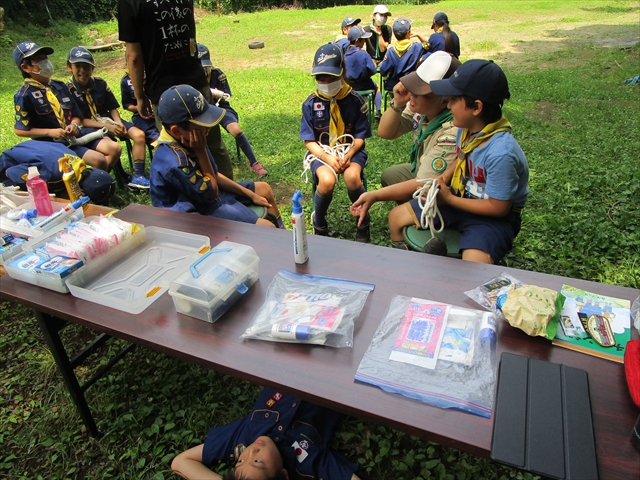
x=446, y=359
x=309, y=309
x=493, y=293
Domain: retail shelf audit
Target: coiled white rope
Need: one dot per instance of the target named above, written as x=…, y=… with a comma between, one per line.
x=339, y=149
x=426, y=196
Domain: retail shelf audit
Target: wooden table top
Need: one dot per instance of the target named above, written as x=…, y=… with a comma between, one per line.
x=325, y=375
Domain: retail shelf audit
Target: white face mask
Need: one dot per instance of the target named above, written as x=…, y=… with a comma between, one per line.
x=46, y=68
x=380, y=19
x=330, y=89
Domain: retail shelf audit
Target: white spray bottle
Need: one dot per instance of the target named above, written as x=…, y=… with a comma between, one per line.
x=300, y=249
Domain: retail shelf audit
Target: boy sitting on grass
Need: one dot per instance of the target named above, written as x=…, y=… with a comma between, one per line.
x=184, y=175
x=283, y=438
x=483, y=193
x=100, y=110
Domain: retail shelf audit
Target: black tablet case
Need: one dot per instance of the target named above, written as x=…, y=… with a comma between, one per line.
x=542, y=420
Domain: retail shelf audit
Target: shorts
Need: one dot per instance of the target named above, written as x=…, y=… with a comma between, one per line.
x=79, y=150
x=493, y=235
x=361, y=157
x=234, y=207
x=148, y=126
x=231, y=116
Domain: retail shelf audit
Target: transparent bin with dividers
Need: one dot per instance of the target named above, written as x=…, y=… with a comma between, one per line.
x=216, y=281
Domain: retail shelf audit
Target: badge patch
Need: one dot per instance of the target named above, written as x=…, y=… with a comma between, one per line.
x=275, y=398
x=446, y=140
x=364, y=108
x=438, y=165
x=301, y=453
x=318, y=106
x=319, y=114
x=36, y=94
x=65, y=99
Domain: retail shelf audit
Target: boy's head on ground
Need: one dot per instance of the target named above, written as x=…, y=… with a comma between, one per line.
x=439, y=20
x=477, y=89
x=259, y=461
x=402, y=28
x=81, y=64
x=182, y=109
x=356, y=36
x=349, y=22
x=32, y=60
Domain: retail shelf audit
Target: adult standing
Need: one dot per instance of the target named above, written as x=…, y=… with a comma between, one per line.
x=443, y=37
x=161, y=43
x=381, y=33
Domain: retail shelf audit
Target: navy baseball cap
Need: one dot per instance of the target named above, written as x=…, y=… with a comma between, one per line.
x=401, y=27
x=98, y=185
x=80, y=55
x=478, y=79
x=350, y=22
x=356, y=33
x=183, y=103
x=28, y=49
x=328, y=60
x=204, y=56
x=439, y=17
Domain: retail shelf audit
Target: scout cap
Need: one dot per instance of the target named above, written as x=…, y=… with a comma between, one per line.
x=183, y=103
x=478, y=79
x=80, y=55
x=328, y=60
x=350, y=21
x=439, y=17
x=204, y=56
x=437, y=66
x=401, y=27
x=28, y=49
x=382, y=10
x=356, y=33
x=98, y=185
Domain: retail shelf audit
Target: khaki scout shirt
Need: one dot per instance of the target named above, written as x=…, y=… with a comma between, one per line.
x=437, y=151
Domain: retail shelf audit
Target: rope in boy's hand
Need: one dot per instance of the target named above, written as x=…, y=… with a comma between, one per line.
x=339, y=149
x=426, y=196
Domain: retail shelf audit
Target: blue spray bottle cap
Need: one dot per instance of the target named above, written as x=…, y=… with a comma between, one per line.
x=78, y=203
x=297, y=202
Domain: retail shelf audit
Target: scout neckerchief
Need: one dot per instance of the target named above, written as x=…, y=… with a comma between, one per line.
x=432, y=126
x=336, y=125
x=466, y=147
x=53, y=100
x=86, y=92
x=439, y=30
x=402, y=46
x=372, y=27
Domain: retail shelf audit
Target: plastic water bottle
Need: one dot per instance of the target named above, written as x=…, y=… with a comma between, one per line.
x=39, y=193
x=300, y=249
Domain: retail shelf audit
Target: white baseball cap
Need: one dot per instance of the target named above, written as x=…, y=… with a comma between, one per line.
x=437, y=66
x=382, y=10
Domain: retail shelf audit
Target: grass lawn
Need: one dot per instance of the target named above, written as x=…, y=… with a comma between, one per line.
x=574, y=117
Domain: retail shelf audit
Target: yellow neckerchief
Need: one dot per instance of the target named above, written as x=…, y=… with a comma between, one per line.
x=467, y=145
x=336, y=125
x=86, y=91
x=342, y=36
x=439, y=30
x=53, y=100
x=165, y=137
x=402, y=46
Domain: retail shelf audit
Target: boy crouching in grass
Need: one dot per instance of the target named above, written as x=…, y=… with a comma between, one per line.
x=282, y=438
x=184, y=174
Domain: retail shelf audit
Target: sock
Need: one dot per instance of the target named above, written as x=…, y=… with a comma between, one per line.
x=138, y=168
x=120, y=171
x=245, y=146
x=378, y=101
x=321, y=204
x=355, y=195
x=280, y=222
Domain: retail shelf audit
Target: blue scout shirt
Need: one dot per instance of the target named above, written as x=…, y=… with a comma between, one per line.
x=394, y=66
x=360, y=68
x=343, y=43
x=128, y=97
x=315, y=118
x=436, y=43
x=300, y=430
x=33, y=110
x=102, y=95
x=218, y=80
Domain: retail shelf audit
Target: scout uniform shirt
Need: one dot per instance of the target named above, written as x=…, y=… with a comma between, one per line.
x=300, y=430
x=397, y=64
x=360, y=68
x=33, y=110
x=102, y=98
x=128, y=97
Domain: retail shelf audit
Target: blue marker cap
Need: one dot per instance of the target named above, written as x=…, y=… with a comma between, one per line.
x=78, y=203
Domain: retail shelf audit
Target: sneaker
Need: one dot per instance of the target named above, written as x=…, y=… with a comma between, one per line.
x=322, y=231
x=400, y=245
x=116, y=200
x=259, y=169
x=140, y=182
x=363, y=233
x=435, y=246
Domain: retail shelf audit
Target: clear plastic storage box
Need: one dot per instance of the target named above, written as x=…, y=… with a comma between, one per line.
x=216, y=281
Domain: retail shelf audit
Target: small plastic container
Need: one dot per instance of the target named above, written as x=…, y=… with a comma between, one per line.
x=216, y=281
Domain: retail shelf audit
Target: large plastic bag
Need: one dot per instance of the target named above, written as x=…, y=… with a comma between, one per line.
x=309, y=309
x=464, y=374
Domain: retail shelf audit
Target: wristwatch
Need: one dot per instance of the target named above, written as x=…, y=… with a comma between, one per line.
x=394, y=108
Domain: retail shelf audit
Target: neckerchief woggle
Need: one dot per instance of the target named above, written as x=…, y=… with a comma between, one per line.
x=467, y=145
x=432, y=126
x=336, y=125
x=53, y=100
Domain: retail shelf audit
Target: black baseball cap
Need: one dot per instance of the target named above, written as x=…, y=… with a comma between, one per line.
x=479, y=79
x=328, y=61
x=183, y=103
